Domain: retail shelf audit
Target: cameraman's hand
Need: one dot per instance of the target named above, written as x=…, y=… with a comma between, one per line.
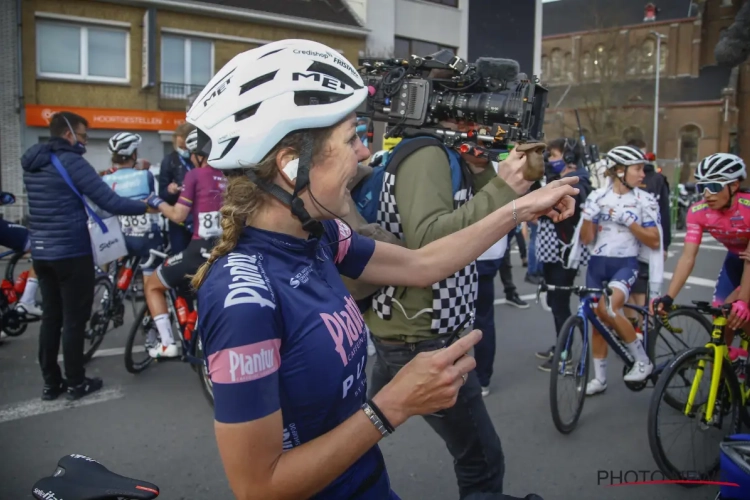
x=428, y=383
x=555, y=200
x=511, y=170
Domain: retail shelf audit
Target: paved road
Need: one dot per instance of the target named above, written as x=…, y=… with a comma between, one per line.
x=158, y=427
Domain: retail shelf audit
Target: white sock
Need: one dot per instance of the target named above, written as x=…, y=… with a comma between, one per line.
x=29, y=293
x=165, y=329
x=638, y=352
x=600, y=370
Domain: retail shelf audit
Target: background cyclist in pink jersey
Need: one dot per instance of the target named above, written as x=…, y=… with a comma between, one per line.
x=725, y=214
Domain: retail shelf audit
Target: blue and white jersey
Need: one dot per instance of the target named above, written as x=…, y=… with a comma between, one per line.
x=136, y=185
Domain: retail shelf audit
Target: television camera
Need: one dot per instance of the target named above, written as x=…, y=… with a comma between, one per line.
x=499, y=104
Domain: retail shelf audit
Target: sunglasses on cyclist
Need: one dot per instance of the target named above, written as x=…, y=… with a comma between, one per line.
x=712, y=187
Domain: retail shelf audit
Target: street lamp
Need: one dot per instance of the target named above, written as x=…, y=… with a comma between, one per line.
x=659, y=38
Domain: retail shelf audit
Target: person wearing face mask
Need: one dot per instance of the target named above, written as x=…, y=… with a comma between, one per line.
x=174, y=168
x=554, y=242
x=61, y=248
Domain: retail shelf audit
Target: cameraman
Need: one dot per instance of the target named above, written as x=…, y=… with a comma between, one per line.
x=407, y=321
x=554, y=241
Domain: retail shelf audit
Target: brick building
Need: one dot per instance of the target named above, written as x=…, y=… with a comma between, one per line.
x=602, y=60
x=133, y=64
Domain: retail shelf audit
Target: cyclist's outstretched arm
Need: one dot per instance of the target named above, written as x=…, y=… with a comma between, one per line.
x=649, y=236
x=684, y=268
x=588, y=232
x=176, y=213
x=744, y=294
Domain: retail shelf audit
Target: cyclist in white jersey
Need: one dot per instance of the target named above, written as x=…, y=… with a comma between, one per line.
x=618, y=220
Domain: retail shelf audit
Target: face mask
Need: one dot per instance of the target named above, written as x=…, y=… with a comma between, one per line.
x=77, y=145
x=183, y=152
x=557, y=166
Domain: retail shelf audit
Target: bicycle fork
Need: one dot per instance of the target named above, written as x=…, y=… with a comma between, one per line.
x=719, y=352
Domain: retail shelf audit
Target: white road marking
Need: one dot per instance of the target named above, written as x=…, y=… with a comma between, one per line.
x=693, y=280
x=115, y=351
x=36, y=406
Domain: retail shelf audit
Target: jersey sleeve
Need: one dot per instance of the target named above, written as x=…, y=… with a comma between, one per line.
x=694, y=223
x=651, y=216
x=243, y=361
x=351, y=251
x=187, y=196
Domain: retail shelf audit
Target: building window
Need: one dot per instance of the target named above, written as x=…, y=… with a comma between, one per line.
x=545, y=68
x=690, y=136
x=449, y=3
x=648, y=50
x=556, y=58
x=80, y=52
x=663, y=53
x=586, y=65
x=568, y=67
x=187, y=65
x=404, y=48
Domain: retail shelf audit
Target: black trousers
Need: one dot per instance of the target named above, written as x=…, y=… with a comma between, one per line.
x=506, y=273
x=559, y=302
x=466, y=428
x=67, y=288
x=484, y=351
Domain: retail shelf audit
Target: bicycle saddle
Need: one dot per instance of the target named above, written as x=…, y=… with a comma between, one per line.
x=82, y=478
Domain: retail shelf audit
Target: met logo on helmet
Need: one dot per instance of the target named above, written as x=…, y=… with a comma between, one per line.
x=218, y=88
x=324, y=80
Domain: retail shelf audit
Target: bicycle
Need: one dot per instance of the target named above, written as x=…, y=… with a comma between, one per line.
x=13, y=322
x=183, y=316
x=726, y=400
x=567, y=366
x=78, y=477
x=116, y=285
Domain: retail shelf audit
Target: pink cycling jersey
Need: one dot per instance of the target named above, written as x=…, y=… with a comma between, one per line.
x=729, y=227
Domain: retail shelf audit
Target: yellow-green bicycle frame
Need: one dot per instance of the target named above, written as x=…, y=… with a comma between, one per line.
x=721, y=355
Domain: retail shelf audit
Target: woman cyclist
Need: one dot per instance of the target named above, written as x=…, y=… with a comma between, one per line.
x=617, y=220
x=725, y=214
x=202, y=196
x=284, y=340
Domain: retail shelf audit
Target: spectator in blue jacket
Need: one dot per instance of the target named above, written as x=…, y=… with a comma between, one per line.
x=61, y=249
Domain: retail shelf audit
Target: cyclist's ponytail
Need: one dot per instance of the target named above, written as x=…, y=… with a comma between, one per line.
x=242, y=198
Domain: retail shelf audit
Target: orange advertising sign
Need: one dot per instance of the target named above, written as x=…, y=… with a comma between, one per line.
x=119, y=119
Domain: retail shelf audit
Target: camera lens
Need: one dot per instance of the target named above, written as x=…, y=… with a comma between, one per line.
x=484, y=108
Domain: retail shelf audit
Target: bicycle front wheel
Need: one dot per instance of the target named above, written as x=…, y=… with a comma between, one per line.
x=104, y=295
x=137, y=358
x=570, y=370
x=695, y=455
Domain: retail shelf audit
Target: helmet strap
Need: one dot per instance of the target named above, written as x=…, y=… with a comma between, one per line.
x=622, y=178
x=312, y=226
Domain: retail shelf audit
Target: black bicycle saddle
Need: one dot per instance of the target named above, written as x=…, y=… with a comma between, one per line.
x=79, y=477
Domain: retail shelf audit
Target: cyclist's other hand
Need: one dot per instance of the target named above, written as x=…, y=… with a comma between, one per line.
x=591, y=209
x=739, y=315
x=428, y=383
x=555, y=200
x=745, y=255
x=7, y=198
x=154, y=201
x=173, y=188
x=625, y=217
x=661, y=304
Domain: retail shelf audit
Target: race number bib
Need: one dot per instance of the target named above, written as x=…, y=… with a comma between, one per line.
x=209, y=225
x=135, y=224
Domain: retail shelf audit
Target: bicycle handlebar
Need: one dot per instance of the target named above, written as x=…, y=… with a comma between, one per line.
x=155, y=254
x=580, y=291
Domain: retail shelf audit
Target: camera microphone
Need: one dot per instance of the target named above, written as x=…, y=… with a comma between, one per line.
x=505, y=70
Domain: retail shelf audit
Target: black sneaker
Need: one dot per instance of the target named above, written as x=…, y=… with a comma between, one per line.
x=51, y=392
x=515, y=301
x=546, y=354
x=85, y=388
x=546, y=366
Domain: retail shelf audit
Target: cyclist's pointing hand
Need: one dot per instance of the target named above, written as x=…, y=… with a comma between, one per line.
x=428, y=383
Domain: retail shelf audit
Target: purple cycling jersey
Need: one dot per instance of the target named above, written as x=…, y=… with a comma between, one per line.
x=203, y=192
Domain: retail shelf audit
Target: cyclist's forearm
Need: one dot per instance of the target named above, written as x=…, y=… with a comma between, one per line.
x=588, y=232
x=744, y=294
x=681, y=273
x=176, y=213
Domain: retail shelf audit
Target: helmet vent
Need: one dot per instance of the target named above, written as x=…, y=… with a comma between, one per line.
x=258, y=82
x=315, y=97
x=246, y=113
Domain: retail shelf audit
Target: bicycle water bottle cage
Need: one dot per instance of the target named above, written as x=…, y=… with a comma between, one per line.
x=83, y=478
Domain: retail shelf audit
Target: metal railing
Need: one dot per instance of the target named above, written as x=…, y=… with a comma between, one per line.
x=177, y=91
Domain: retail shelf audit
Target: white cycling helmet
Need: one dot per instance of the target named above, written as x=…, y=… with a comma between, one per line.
x=721, y=167
x=624, y=155
x=124, y=143
x=263, y=94
x=191, y=141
